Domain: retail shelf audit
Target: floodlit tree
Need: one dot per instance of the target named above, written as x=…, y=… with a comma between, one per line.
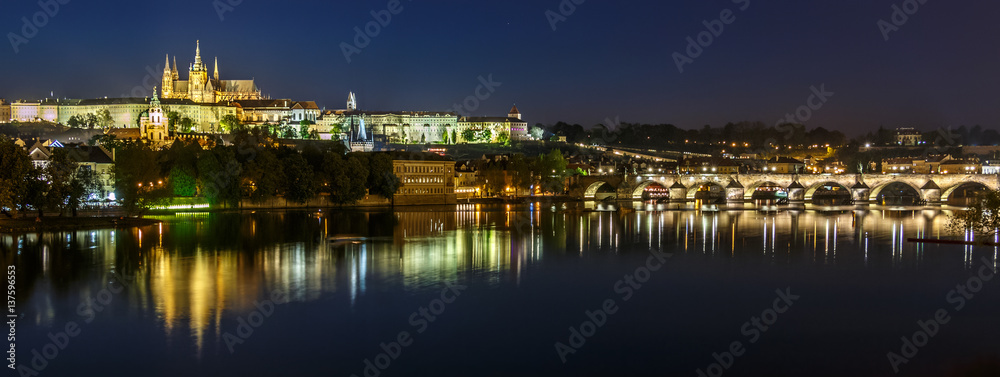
x=15, y=172
x=104, y=119
x=173, y=119
x=982, y=216
x=186, y=125
x=304, y=129
x=230, y=123
x=537, y=132
x=75, y=121
x=91, y=120
x=504, y=138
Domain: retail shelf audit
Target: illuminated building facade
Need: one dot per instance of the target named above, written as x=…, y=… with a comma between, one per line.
x=413, y=127
x=424, y=179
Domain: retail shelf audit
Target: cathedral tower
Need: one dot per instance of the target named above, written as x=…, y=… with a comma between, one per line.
x=198, y=77
x=168, y=79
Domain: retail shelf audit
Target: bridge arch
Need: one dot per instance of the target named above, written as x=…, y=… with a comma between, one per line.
x=808, y=196
x=753, y=187
x=591, y=191
x=642, y=186
x=710, y=186
x=946, y=195
x=877, y=190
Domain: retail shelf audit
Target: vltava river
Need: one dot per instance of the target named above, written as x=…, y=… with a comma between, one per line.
x=526, y=290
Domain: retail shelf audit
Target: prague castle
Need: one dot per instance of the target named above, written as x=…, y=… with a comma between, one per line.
x=207, y=99
x=199, y=88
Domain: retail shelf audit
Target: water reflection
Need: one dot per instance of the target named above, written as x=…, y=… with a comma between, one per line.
x=193, y=271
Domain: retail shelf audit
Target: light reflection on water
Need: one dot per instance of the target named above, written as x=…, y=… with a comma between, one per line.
x=193, y=271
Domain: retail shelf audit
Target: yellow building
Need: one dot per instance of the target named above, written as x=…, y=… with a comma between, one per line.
x=424, y=179
x=4, y=111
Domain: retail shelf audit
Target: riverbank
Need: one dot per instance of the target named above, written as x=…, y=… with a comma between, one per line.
x=59, y=224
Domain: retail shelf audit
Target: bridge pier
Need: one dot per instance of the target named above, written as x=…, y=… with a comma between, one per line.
x=796, y=193
x=931, y=193
x=860, y=193
x=735, y=192
x=678, y=192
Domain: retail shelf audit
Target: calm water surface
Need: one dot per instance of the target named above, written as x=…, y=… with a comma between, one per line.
x=179, y=299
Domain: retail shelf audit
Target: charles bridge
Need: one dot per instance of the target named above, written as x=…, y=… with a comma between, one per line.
x=932, y=188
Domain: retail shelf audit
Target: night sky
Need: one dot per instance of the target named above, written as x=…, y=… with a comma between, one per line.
x=608, y=59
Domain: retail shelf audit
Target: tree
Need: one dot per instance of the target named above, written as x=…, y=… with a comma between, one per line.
x=469, y=135
x=454, y=136
x=91, y=121
x=262, y=176
x=84, y=185
x=304, y=128
x=15, y=172
x=104, y=118
x=137, y=178
x=186, y=125
x=60, y=173
x=537, y=132
x=551, y=168
x=982, y=216
x=75, y=121
x=182, y=181
x=521, y=167
x=230, y=123
x=346, y=178
x=173, y=118
x=219, y=176
x=493, y=178
x=444, y=136
x=289, y=132
x=298, y=184
x=381, y=179
x=504, y=138
x=423, y=138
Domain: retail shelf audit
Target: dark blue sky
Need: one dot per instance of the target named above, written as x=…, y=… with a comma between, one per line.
x=608, y=59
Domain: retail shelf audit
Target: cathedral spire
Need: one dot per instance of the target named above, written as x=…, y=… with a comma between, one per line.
x=216, y=67
x=166, y=64
x=197, y=54
x=175, y=67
